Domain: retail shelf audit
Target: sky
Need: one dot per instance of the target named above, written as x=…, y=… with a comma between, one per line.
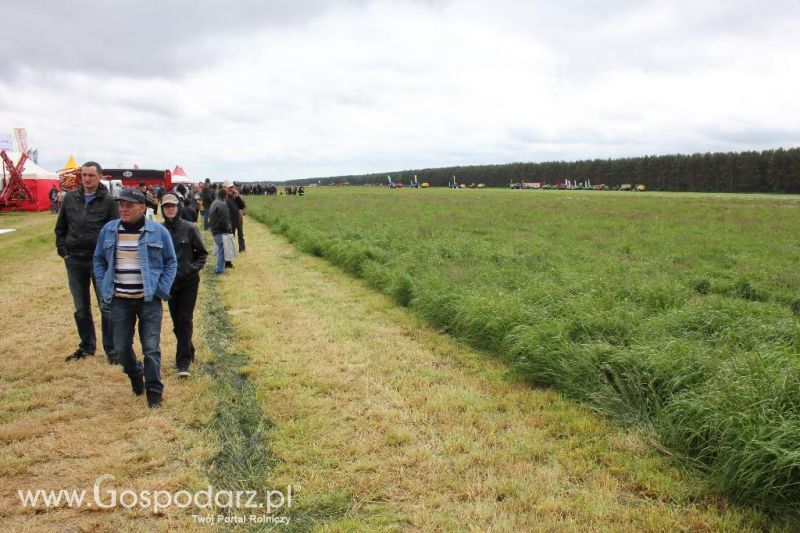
x=274, y=90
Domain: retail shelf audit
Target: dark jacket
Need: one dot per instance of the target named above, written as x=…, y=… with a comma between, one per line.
x=189, y=249
x=79, y=224
x=233, y=208
x=187, y=213
x=207, y=197
x=219, y=218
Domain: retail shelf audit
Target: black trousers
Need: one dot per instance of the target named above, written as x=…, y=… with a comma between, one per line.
x=181, y=309
x=238, y=231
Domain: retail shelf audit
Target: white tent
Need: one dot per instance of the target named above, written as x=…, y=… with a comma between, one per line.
x=31, y=171
x=36, y=179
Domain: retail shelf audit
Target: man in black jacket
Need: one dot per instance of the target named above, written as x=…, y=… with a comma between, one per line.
x=207, y=198
x=233, y=209
x=84, y=213
x=191, y=255
x=219, y=222
x=237, y=220
x=186, y=210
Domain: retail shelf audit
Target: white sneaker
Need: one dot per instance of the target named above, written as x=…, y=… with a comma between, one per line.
x=184, y=373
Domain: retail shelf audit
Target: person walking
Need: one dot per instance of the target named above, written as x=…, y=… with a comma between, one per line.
x=237, y=220
x=82, y=215
x=53, y=195
x=219, y=221
x=191, y=255
x=186, y=210
x=60, y=198
x=135, y=265
x=207, y=198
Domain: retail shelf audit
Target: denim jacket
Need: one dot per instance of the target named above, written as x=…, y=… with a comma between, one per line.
x=156, y=256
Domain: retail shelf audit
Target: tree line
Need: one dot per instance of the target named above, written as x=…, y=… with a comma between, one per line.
x=775, y=171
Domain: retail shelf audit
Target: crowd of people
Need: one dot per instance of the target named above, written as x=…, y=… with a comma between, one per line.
x=269, y=189
x=115, y=245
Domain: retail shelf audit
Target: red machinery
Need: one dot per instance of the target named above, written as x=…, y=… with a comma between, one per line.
x=15, y=192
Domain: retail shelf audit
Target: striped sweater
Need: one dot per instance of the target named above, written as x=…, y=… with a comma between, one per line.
x=128, y=281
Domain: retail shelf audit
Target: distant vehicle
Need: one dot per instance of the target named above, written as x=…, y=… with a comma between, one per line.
x=130, y=177
x=114, y=186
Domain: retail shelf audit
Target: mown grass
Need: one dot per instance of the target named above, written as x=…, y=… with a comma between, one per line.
x=243, y=461
x=63, y=425
x=677, y=313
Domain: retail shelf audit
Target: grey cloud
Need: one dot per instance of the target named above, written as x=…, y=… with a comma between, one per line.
x=756, y=136
x=137, y=39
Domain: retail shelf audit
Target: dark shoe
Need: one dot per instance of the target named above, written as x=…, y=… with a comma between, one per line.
x=153, y=399
x=78, y=354
x=137, y=384
x=114, y=360
x=228, y=264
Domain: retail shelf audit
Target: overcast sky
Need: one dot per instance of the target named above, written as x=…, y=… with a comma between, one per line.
x=278, y=90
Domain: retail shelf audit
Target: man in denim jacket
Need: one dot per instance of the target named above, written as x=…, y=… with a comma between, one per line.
x=135, y=265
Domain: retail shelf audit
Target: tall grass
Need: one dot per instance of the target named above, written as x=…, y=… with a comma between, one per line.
x=674, y=312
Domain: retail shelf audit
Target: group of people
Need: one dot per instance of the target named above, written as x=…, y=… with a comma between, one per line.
x=136, y=263
x=56, y=199
x=269, y=189
x=227, y=219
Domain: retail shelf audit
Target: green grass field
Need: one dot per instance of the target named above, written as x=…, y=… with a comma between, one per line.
x=674, y=312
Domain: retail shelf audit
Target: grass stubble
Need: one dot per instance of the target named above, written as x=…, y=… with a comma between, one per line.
x=63, y=425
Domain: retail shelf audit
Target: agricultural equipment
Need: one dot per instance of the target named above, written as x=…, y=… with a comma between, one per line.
x=15, y=192
x=131, y=177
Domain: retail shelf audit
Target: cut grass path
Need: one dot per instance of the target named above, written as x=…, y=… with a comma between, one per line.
x=386, y=424
x=63, y=425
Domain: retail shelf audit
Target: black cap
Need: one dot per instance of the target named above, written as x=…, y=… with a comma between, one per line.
x=132, y=195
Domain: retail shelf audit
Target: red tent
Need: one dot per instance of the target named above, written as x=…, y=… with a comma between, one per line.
x=179, y=175
x=37, y=180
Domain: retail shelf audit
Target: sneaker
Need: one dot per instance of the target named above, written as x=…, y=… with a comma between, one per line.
x=78, y=354
x=114, y=360
x=184, y=373
x=153, y=399
x=137, y=384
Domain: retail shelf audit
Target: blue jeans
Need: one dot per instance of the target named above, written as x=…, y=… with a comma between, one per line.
x=220, y=251
x=124, y=312
x=80, y=277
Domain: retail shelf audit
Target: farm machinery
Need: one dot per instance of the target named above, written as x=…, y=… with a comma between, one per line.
x=15, y=193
